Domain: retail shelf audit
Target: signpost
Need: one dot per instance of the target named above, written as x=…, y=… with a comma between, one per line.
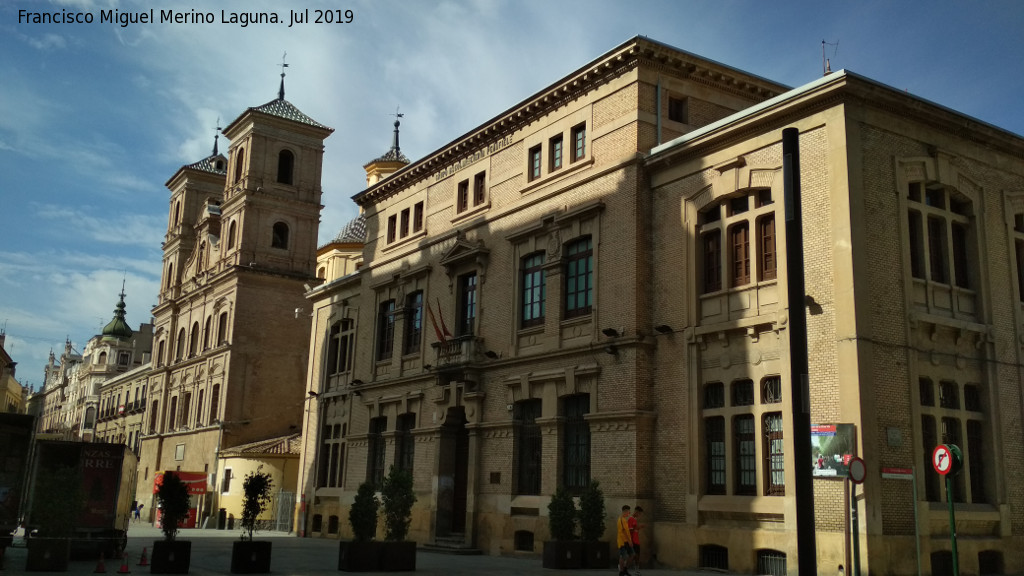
x=947, y=461
x=856, y=474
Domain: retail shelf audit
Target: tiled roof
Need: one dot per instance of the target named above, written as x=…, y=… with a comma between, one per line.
x=392, y=155
x=285, y=109
x=286, y=445
x=353, y=232
x=209, y=164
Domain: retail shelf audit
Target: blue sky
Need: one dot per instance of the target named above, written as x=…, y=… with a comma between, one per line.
x=94, y=118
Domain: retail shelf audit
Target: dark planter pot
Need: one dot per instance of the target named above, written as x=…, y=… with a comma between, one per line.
x=596, y=555
x=48, y=554
x=249, y=557
x=563, y=555
x=398, y=556
x=170, y=557
x=359, y=556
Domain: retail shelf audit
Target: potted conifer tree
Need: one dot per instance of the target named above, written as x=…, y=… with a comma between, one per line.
x=170, y=555
x=563, y=550
x=247, y=555
x=57, y=504
x=592, y=517
x=397, y=499
x=362, y=554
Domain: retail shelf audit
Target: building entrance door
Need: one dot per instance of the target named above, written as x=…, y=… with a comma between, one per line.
x=453, y=473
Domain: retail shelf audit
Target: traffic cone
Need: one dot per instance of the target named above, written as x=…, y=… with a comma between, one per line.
x=124, y=569
x=143, y=561
x=100, y=567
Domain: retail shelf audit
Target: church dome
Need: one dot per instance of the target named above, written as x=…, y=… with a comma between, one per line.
x=118, y=328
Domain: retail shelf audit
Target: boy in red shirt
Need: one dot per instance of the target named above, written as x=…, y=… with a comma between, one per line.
x=634, y=532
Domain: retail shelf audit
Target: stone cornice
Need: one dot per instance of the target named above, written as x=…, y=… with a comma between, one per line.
x=613, y=64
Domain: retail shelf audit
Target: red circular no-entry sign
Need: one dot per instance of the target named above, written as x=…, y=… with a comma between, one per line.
x=942, y=459
x=858, y=471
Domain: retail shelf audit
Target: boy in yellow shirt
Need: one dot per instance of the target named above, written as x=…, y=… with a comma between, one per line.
x=624, y=540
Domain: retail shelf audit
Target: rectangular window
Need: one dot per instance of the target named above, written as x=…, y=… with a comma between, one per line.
x=534, y=168
x=479, y=190
x=375, y=467
x=225, y=485
x=534, y=289
x=417, y=217
x=579, y=142
x=413, y=322
x=714, y=395
x=339, y=347
x=976, y=461
x=712, y=250
x=467, y=304
x=385, y=330
x=926, y=391
x=739, y=255
x=771, y=390
x=528, y=446
x=463, y=197
x=775, y=455
x=743, y=393
x=714, y=431
x=745, y=454
x=766, y=247
x=333, y=465
x=937, y=249
x=555, y=151
x=916, y=244
x=678, y=110
x=962, y=275
x=392, y=228
x=324, y=462
x=404, y=224
x=579, y=281
x=172, y=420
x=949, y=395
x=576, y=453
x=405, y=443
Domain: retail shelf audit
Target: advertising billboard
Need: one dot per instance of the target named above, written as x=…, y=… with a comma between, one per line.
x=832, y=446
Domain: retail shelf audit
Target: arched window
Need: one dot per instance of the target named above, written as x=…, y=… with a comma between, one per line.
x=207, y=332
x=232, y=230
x=222, y=328
x=285, y=166
x=193, y=342
x=214, y=404
x=102, y=358
x=180, y=351
x=280, y=237
x=199, y=257
x=238, y=164
x=170, y=275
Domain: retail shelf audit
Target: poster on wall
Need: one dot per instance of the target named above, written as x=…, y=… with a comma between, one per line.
x=832, y=446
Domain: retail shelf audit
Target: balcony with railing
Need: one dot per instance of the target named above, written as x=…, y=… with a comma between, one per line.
x=458, y=351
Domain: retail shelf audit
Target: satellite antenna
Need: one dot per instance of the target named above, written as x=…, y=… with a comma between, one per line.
x=826, y=65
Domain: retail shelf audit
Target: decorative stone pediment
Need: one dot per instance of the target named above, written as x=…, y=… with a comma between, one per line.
x=465, y=254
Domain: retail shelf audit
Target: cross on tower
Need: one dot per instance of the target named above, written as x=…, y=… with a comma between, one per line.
x=216, y=136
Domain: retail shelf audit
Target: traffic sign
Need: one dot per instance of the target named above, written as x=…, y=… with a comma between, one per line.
x=857, y=470
x=942, y=459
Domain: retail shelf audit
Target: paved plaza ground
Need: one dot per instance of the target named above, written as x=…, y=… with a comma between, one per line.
x=211, y=554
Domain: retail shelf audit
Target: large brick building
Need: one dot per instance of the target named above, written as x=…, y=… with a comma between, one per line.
x=241, y=243
x=606, y=265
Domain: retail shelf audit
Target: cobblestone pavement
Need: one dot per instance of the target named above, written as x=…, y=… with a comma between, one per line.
x=211, y=554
